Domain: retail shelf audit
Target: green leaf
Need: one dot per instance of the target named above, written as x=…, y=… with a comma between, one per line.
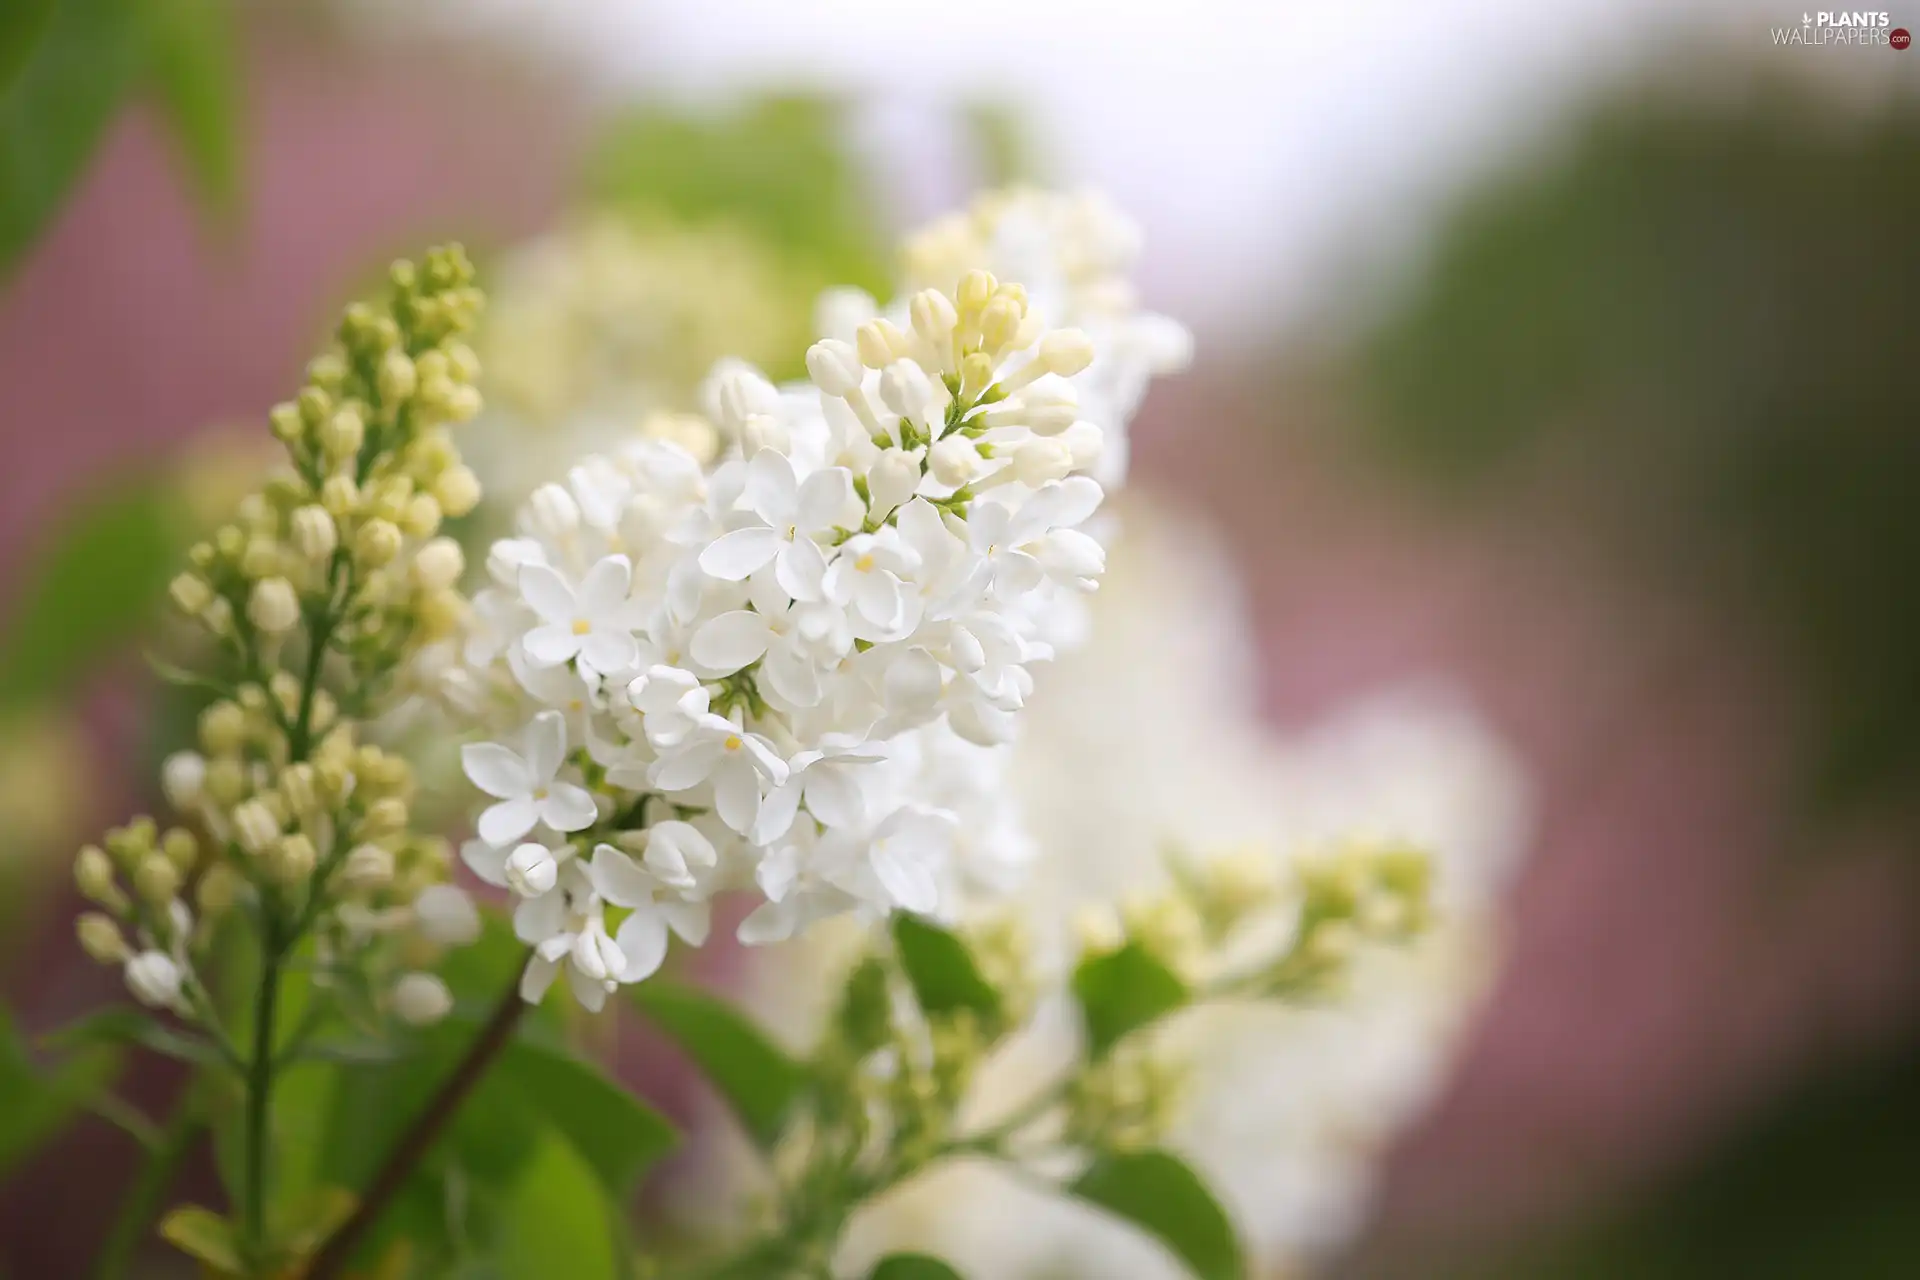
x=56, y=111
x=22, y=23
x=99, y=581
x=912, y=1266
x=39, y=1104
x=125, y=1025
x=1121, y=991
x=618, y=1135
x=1159, y=1194
x=942, y=971
x=196, y=78
x=557, y=1220
x=205, y=1235
x=757, y=1080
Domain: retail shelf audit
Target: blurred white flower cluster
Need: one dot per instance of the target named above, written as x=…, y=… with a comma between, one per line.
x=793, y=670
x=1286, y=1109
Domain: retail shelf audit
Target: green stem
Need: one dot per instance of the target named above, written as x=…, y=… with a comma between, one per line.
x=260, y=1095
x=142, y=1202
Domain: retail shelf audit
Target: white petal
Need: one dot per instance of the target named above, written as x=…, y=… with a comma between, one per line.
x=687, y=768
x=733, y=556
x=551, y=645
x=834, y=797
x=768, y=923
x=731, y=641
x=604, y=589
x=691, y=920
x=485, y=861
x=506, y=822
x=536, y=978
x=736, y=794
x=494, y=769
x=610, y=652
x=568, y=808
x=766, y=761
x=547, y=593
x=777, y=812
x=591, y=993
x=907, y=881
x=618, y=879
x=801, y=569
x=1015, y=574
x=643, y=940
x=537, y=920
x=546, y=745
x=771, y=489
x=826, y=500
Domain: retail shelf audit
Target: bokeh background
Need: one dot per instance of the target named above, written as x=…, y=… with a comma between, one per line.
x=1564, y=352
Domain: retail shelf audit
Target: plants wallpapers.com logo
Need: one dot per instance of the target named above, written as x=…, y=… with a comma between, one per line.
x=1843, y=27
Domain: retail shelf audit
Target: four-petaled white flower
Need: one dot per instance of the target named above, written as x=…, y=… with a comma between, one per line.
x=642, y=938
x=593, y=622
x=790, y=512
x=527, y=783
x=735, y=761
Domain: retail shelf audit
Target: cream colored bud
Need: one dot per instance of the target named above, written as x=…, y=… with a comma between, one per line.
x=368, y=866
x=183, y=778
x=531, y=870
x=154, y=979
x=261, y=559
x=906, y=390
x=156, y=880
x=1036, y=462
x=1066, y=352
x=457, y=490
x=255, y=826
x=438, y=564
x=762, y=431
x=101, y=939
x=1097, y=929
x=1000, y=323
x=932, y=315
x=834, y=367
x=377, y=543
x=223, y=728
x=953, y=461
x=976, y=290
x=892, y=480
x=342, y=434
x=421, y=999
x=190, y=593
x=300, y=787
x=284, y=688
x=463, y=402
x=387, y=498
x=314, y=533
x=292, y=859
x=397, y=378
x=273, y=607
x=385, y=817
x=440, y=614
x=1086, y=443
x=551, y=514
x=976, y=375
x=421, y=517
x=340, y=496
x=218, y=616
x=434, y=366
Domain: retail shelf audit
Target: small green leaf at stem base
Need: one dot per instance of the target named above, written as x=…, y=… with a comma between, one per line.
x=1159, y=1194
x=912, y=1266
x=942, y=972
x=205, y=1236
x=1122, y=991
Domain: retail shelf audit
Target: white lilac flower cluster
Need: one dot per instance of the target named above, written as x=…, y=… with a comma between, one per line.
x=793, y=671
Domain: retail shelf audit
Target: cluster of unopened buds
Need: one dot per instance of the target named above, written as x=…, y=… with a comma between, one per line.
x=792, y=671
x=313, y=604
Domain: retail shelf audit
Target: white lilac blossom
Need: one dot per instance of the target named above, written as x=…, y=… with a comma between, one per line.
x=791, y=671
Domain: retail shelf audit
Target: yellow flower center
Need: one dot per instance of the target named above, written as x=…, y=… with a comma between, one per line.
x=581, y=626
x=733, y=742
x=864, y=564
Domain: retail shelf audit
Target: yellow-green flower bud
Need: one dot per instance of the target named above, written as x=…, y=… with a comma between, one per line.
x=156, y=880
x=421, y=519
x=223, y=728
x=101, y=939
x=255, y=826
x=218, y=890
x=217, y=617
x=315, y=535
x=438, y=564
x=300, y=787
x=440, y=614
x=328, y=369
x=397, y=379
x=377, y=543
x=457, y=490
x=283, y=687
x=387, y=498
x=286, y=421
x=462, y=402
x=315, y=405
x=226, y=781
x=385, y=817
x=190, y=593
x=273, y=607
x=340, y=496
x=291, y=859
x=230, y=540
x=181, y=848
x=368, y=866
x=93, y=873
x=343, y=433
